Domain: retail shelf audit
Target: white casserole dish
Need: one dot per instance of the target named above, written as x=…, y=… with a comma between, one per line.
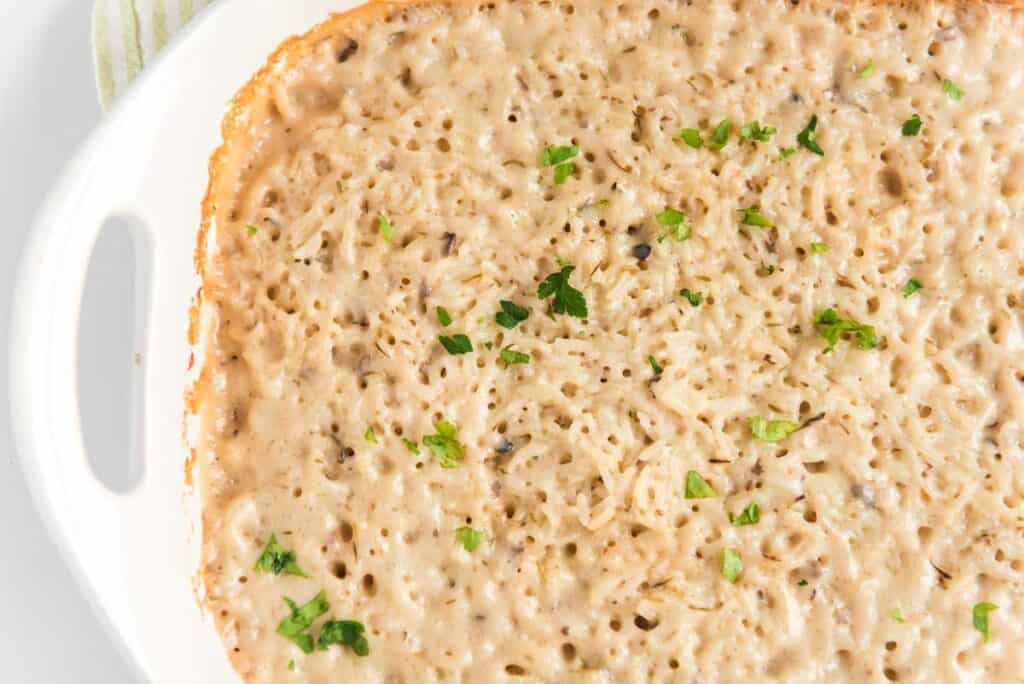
x=135, y=554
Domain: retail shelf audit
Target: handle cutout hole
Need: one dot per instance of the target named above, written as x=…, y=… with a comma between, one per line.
x=111, y=340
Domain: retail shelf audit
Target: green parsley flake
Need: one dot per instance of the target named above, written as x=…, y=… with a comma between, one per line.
x=720, y=137
x=443, y=317
x=510, y=356
x=445, y=445
x=291, y=666
x=567, y=299
x=912, y=287
x=563, y=171
x=387, y=231
x=691, y=136
x=559, y=158
x=831, y=327
x=488, y=346
x=732, y=564
x=253, y=229
x=754, y=131
x=752, y=216
x=456, y=344
x=697, y=487
x=868, y=69
x=980, y=615
x=897, y=615
x=808, y=137
x=912, y=126
x=802, y=583
x=469, y=538
x=787, y=152
x=818, y=248
x=276, y=559
x=695, y=298
x=411, y=446
x=295, y=626
x=677, y=223
x=370, y=435
x=511, y=314
x=952, y=90
x=344, y=633
x=553, y=156
x=764, y=430
x=750, y=515
x=655, y=366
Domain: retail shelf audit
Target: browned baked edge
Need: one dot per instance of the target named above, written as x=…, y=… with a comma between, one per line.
x=287, y=54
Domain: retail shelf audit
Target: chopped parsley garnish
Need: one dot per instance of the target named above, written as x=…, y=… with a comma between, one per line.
x=445, y=444
x=253, y=229
x=697, y=487
x=456, y=344
x=732, y=564
x=563, y=171
x=750, y=515
x=721, y=135
x=511, y=314
x=387, y=231
x=691, y=136
x=831, y=327
x=291, y=666
x=443, y=317
x=911, y=288
x=807, y=137
x=764, y=430
x=752, y=216
x=567, y=299
x=344, y=633
x=411, y=446
x=295, y=627
x=980, y=615
x=818, y=248
x=559, y=158
x=787, y=152
x=868, y=69
x=754, y=131
x=952, y=90
x=370, y=435
x=511, y=356
x=488, y=345
x=912, y=126
x=695, y=298
x=655, y=366
x=677, y=223
x=897, y=615
x=469, y=538
x=553, y=156
x=276, y=559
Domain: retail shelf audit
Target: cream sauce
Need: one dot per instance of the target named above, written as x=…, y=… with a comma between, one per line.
x=906, y=495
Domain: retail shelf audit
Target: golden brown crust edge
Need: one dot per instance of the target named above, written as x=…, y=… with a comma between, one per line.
x=286, y=55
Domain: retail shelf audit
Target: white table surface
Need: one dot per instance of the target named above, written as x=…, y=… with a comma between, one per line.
x=47, y=107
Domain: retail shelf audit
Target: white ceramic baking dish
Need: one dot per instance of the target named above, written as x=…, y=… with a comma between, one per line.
x=135, y=554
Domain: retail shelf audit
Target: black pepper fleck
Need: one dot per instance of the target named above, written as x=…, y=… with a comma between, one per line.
x=641, y=251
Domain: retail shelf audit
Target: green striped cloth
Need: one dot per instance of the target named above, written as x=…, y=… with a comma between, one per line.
x=127, y=34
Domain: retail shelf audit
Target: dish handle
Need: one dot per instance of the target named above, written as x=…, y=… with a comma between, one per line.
x=85, y=518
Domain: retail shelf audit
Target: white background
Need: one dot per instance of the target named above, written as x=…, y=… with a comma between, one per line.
x=47, y=107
